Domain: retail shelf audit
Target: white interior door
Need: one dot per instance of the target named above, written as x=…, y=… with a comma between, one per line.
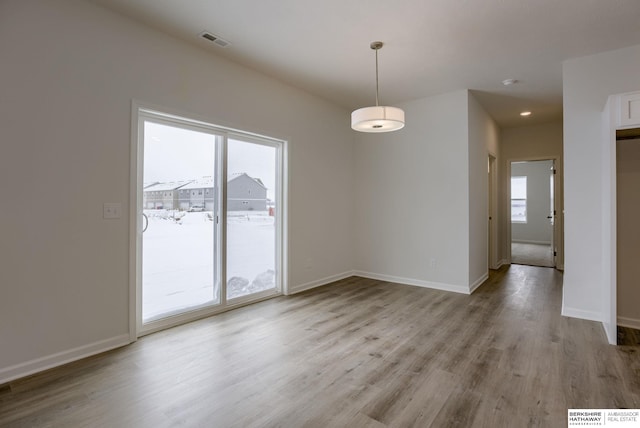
x=492, y=222
x=552, y=211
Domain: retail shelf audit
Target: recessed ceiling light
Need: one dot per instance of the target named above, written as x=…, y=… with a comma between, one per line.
x=525, y=113
x=509, y=82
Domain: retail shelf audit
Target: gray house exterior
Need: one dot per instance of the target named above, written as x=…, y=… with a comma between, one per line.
x=162, y=195
x=198, y=194
x=246, y=193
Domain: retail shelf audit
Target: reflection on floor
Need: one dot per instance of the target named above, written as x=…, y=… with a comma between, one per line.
x=531, y=254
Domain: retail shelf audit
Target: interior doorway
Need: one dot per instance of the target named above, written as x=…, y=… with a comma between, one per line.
x=532, y=196
x=620, y=122
x=627, y=233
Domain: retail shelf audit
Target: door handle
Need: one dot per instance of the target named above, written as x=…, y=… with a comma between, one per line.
x=549, y=216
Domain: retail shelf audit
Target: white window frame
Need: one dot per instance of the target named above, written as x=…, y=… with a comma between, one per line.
x=518, y=221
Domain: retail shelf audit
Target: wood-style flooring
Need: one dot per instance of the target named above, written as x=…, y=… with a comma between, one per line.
x=628, y=336
x=356, y=353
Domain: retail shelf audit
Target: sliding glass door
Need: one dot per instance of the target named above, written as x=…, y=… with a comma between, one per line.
x=208, y=219
x=180, y=205
x=251, y=226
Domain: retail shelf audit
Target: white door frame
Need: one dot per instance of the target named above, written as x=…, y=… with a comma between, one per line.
x=609, y=223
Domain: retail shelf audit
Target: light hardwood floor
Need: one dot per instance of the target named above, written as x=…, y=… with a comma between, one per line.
x=356, y=353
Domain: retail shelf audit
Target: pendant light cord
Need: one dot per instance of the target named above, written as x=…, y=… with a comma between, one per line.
x=377, y=76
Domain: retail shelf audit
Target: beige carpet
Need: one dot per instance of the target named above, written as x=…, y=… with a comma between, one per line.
x=531, y=254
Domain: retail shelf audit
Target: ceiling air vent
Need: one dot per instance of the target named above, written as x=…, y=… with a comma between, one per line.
x=215, y=39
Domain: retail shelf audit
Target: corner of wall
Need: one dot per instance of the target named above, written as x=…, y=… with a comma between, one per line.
x=477, y=283
x=319, y=282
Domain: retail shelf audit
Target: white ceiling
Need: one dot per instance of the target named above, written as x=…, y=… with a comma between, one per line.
x=431, y=46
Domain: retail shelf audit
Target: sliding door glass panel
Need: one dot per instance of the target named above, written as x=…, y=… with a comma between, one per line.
x=179, y=248
x=251, y=213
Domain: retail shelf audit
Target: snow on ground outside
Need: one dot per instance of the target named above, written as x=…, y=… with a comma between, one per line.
x=178, y=255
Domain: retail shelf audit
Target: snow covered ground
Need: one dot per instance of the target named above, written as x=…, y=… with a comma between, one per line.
x=178, y=259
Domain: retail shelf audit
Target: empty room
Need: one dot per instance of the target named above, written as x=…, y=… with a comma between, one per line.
x=260, y=214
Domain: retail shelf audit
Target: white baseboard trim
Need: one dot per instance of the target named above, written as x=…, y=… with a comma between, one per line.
x=478, y=282
x=500, y=263
x=581, y=314
x=629, y=322
x=319, y=282
x=27, y=368
x=416, y=282
x=527, y=241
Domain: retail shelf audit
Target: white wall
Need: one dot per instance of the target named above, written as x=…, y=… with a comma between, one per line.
x=628, y=232
x=421, y=195
x=534, y=142
x=537, y=229
x=69, y=72
x=483, y=139
x=411, y=197
x=587, y=82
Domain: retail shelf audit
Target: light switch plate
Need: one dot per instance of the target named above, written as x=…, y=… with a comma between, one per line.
x=112, y=210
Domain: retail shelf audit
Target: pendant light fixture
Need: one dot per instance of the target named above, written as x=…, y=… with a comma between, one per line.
x=378, y=118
